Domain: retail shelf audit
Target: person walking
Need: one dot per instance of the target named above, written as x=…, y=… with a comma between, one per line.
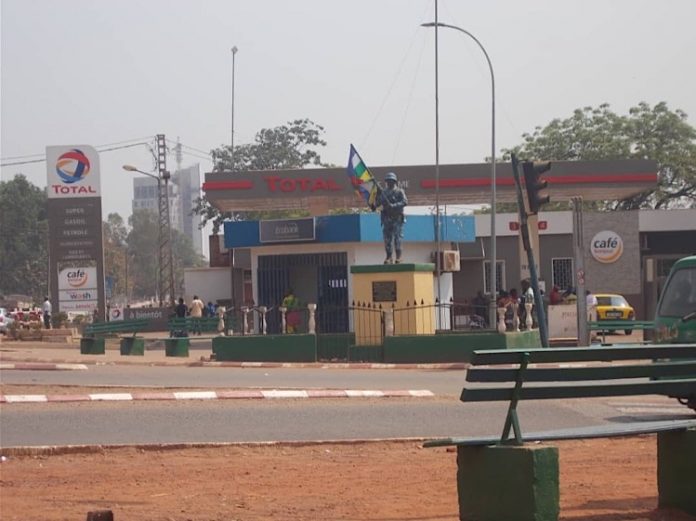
x=392, y=200
x=196, y=311
x=47, y=310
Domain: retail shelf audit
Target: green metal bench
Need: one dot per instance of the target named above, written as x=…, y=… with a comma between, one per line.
x=627, y=326
x=93, y=340
x=191, y=325
x=668, y=370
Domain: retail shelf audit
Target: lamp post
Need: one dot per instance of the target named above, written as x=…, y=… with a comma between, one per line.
x=493, y=271
x=234, y=52
x=166, y=258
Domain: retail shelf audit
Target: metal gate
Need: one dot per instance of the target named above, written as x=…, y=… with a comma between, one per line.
x=332, y=308
x=332, y=287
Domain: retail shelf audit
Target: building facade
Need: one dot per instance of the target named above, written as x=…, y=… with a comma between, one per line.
x=184, y=189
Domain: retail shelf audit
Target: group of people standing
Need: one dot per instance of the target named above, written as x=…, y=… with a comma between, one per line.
x=197, y=310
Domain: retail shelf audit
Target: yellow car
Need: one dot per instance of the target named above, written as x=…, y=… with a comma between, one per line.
x=614, y=307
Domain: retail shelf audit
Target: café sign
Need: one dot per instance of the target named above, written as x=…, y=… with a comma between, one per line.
x=606, y=247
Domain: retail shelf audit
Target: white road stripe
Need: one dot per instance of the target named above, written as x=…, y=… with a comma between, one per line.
x=195, y=395
x=26, y=398
x=421, y=392
x=352, y=393
x=111, y=397
x=284, y=394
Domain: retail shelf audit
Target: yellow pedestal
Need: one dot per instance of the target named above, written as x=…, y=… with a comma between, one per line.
x=405, y=288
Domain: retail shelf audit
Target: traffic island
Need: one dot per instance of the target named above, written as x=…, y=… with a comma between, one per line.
x=514, y=483
x=132, y=346
x=177, y=346
x=92, y=346
x=266, y=348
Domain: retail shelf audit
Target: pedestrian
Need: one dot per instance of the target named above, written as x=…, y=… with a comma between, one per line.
x=591, y=302
x=292, y=315
x=555, y=296
x=392, y=200
x=196, y=312
x=47, y=309
x=181, y=310
x=210, y=310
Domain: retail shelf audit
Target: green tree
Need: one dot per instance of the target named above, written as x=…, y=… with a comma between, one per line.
x=23, y=238
x=645, y=133
x=143, y=247
x=292, y=145
x=115, y=233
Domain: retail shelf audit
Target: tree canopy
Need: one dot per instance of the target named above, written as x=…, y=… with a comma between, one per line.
x=645, y=133
x=23, y=239
x=293, y=145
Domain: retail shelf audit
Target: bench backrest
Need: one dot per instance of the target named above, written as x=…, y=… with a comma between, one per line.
x=117, y=326
x=666, y=369
x=205, y=323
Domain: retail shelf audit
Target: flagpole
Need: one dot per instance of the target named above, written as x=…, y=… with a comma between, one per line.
x=437, y=176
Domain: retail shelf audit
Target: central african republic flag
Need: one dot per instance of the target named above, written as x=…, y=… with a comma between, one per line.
x=360, y=177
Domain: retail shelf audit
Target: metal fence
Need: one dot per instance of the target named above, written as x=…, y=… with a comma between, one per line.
x=368, y=322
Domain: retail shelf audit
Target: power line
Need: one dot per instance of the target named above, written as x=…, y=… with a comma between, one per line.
x=207, y=153
x=97, y=148
x=139, y=139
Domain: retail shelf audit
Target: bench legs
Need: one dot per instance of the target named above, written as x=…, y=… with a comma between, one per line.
x=676, y=470
x=177, y=346
x=133, y=346
x=92, y=346
x=511, y=483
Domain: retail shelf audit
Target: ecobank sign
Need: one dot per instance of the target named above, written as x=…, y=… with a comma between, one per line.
x=606, y=247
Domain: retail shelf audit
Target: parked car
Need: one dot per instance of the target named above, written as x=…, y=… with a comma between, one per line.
x=614, y=307
x=5, y=320
x=675, y=319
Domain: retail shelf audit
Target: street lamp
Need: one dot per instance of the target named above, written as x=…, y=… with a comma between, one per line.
x=234, y=52
x=166, y=257
x=493, y=271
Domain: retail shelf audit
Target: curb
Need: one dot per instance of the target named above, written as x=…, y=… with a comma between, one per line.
x=54, y=364
x=214, y=395
x=57, y=450
x=41, y=366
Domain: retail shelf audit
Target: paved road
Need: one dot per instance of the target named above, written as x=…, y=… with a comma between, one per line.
x=288, y=419
x=441, y=382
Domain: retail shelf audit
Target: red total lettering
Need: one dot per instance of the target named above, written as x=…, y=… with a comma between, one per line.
x=271, y=182
x=318, y=184
x=303, y=184
x=287, y=185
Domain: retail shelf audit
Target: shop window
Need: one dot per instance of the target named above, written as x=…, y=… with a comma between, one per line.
x=499, y=275
x=562, y=272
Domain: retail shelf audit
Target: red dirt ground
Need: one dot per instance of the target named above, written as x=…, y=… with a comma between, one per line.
x=375, y=481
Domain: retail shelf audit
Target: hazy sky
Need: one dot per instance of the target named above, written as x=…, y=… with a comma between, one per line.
x=100, y=72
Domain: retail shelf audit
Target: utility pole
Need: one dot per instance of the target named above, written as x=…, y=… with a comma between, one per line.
x=166, y=258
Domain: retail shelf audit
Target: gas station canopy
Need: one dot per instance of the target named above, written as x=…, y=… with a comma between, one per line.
x=459, y=184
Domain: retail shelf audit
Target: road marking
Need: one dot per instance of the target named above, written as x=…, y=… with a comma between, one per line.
x=26, y=398
x=216, y=395
x=195, y=395
x=111, y=397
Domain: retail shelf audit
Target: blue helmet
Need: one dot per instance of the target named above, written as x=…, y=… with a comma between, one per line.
x=391, y=176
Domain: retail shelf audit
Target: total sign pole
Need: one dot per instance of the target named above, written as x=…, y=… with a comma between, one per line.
x=75, y=247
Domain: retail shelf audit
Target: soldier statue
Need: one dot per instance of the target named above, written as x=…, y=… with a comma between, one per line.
x=392, y=200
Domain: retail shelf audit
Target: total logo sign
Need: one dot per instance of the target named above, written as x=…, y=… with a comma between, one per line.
x=606, y=247
x=73, y=171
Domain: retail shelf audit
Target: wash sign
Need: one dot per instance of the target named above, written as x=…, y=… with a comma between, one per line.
x=78, y=289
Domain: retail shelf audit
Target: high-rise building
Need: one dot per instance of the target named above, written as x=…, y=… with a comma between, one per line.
x=184, y=189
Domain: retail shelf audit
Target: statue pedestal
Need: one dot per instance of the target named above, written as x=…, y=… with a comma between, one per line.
x=405, y=288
